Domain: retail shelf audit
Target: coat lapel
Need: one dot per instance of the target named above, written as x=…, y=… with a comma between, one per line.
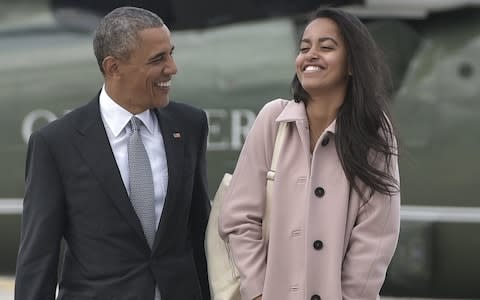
x=173, y=138
x=92, y=143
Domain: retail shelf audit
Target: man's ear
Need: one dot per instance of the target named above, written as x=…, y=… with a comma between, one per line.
x=111, y=66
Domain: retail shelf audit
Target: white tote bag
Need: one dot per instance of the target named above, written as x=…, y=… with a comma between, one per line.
x=223, y=275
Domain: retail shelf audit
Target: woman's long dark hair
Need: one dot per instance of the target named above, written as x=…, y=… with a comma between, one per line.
x=364, y=133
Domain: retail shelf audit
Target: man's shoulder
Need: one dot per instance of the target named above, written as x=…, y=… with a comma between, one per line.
x=65, y=123
x=181, y=107
x=184, y=111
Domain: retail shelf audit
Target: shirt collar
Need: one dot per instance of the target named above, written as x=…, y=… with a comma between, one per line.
x=118, y=117
x=295, y=111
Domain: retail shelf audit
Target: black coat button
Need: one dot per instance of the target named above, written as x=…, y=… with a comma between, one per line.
x=316, y=297
x=325, y=141
x=318, y=245
x=319, y=192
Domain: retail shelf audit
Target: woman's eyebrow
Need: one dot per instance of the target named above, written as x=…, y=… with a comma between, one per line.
x=328, y=38
x=321, y=39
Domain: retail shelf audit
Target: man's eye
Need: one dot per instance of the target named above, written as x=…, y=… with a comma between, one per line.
x=304, y=49
x=157, y=60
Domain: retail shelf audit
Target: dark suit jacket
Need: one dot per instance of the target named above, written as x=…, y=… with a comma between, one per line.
x=74, y=191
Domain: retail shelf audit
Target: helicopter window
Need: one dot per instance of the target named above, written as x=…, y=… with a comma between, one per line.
x=399, y=43
x=465, y=70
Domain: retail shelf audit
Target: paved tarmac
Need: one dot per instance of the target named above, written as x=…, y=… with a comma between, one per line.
x=6, y=288
x=7, y=283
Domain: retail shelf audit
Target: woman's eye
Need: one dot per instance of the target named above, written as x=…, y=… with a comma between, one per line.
x=304, y=49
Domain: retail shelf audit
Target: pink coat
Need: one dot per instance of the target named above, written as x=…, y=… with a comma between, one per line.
x=321, y=243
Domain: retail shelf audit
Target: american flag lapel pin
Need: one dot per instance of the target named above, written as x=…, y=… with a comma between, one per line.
x=177, y=135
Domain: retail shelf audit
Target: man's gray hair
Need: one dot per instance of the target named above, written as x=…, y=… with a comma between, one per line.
x=117, y=33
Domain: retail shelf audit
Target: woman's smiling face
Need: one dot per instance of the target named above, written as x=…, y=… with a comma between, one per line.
x=321, y=63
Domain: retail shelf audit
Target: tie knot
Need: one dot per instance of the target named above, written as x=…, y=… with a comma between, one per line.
x=135, y=123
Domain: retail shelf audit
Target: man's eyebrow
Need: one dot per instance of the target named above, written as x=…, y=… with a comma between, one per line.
x=160, y=54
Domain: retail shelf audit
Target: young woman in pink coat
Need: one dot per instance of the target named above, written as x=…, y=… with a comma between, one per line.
x=334, y=218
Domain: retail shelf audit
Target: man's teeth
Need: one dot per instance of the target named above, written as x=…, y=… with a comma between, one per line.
x=164, y=84
x=312, y=68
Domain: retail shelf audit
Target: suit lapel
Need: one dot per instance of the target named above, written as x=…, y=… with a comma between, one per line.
x=92, y=143
x=173, y=139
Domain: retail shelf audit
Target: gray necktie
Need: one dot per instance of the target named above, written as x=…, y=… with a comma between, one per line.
x=141, y=181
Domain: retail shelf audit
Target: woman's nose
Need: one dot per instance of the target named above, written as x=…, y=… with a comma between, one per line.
x=312, y=55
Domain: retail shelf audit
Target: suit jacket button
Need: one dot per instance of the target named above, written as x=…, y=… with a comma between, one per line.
x=316, y=297
x=318, y=245
x=325, y=141
x=319, y=192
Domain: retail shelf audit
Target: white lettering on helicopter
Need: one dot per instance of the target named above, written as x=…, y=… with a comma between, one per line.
x=32, y=118
x=240, y=121
x=227, y=128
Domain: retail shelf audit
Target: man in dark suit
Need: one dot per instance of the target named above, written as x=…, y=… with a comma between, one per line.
x=82, y=182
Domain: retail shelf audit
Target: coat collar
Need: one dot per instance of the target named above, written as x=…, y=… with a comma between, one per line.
x=174, y=141
x=296, y=112
x=93, y=145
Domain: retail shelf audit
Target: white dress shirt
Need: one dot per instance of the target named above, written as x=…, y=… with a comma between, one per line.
x=115, y=119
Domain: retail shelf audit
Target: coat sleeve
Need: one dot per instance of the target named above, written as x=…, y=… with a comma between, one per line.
x=42, y=224
x=200, y=210
x=241, y=215
x=372, y=243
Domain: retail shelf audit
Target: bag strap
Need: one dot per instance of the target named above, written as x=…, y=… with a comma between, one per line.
x=279, y=141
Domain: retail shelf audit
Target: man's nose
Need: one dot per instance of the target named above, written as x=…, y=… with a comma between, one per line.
x=171, y=67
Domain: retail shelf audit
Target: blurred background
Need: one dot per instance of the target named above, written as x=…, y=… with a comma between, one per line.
x=233, y=57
